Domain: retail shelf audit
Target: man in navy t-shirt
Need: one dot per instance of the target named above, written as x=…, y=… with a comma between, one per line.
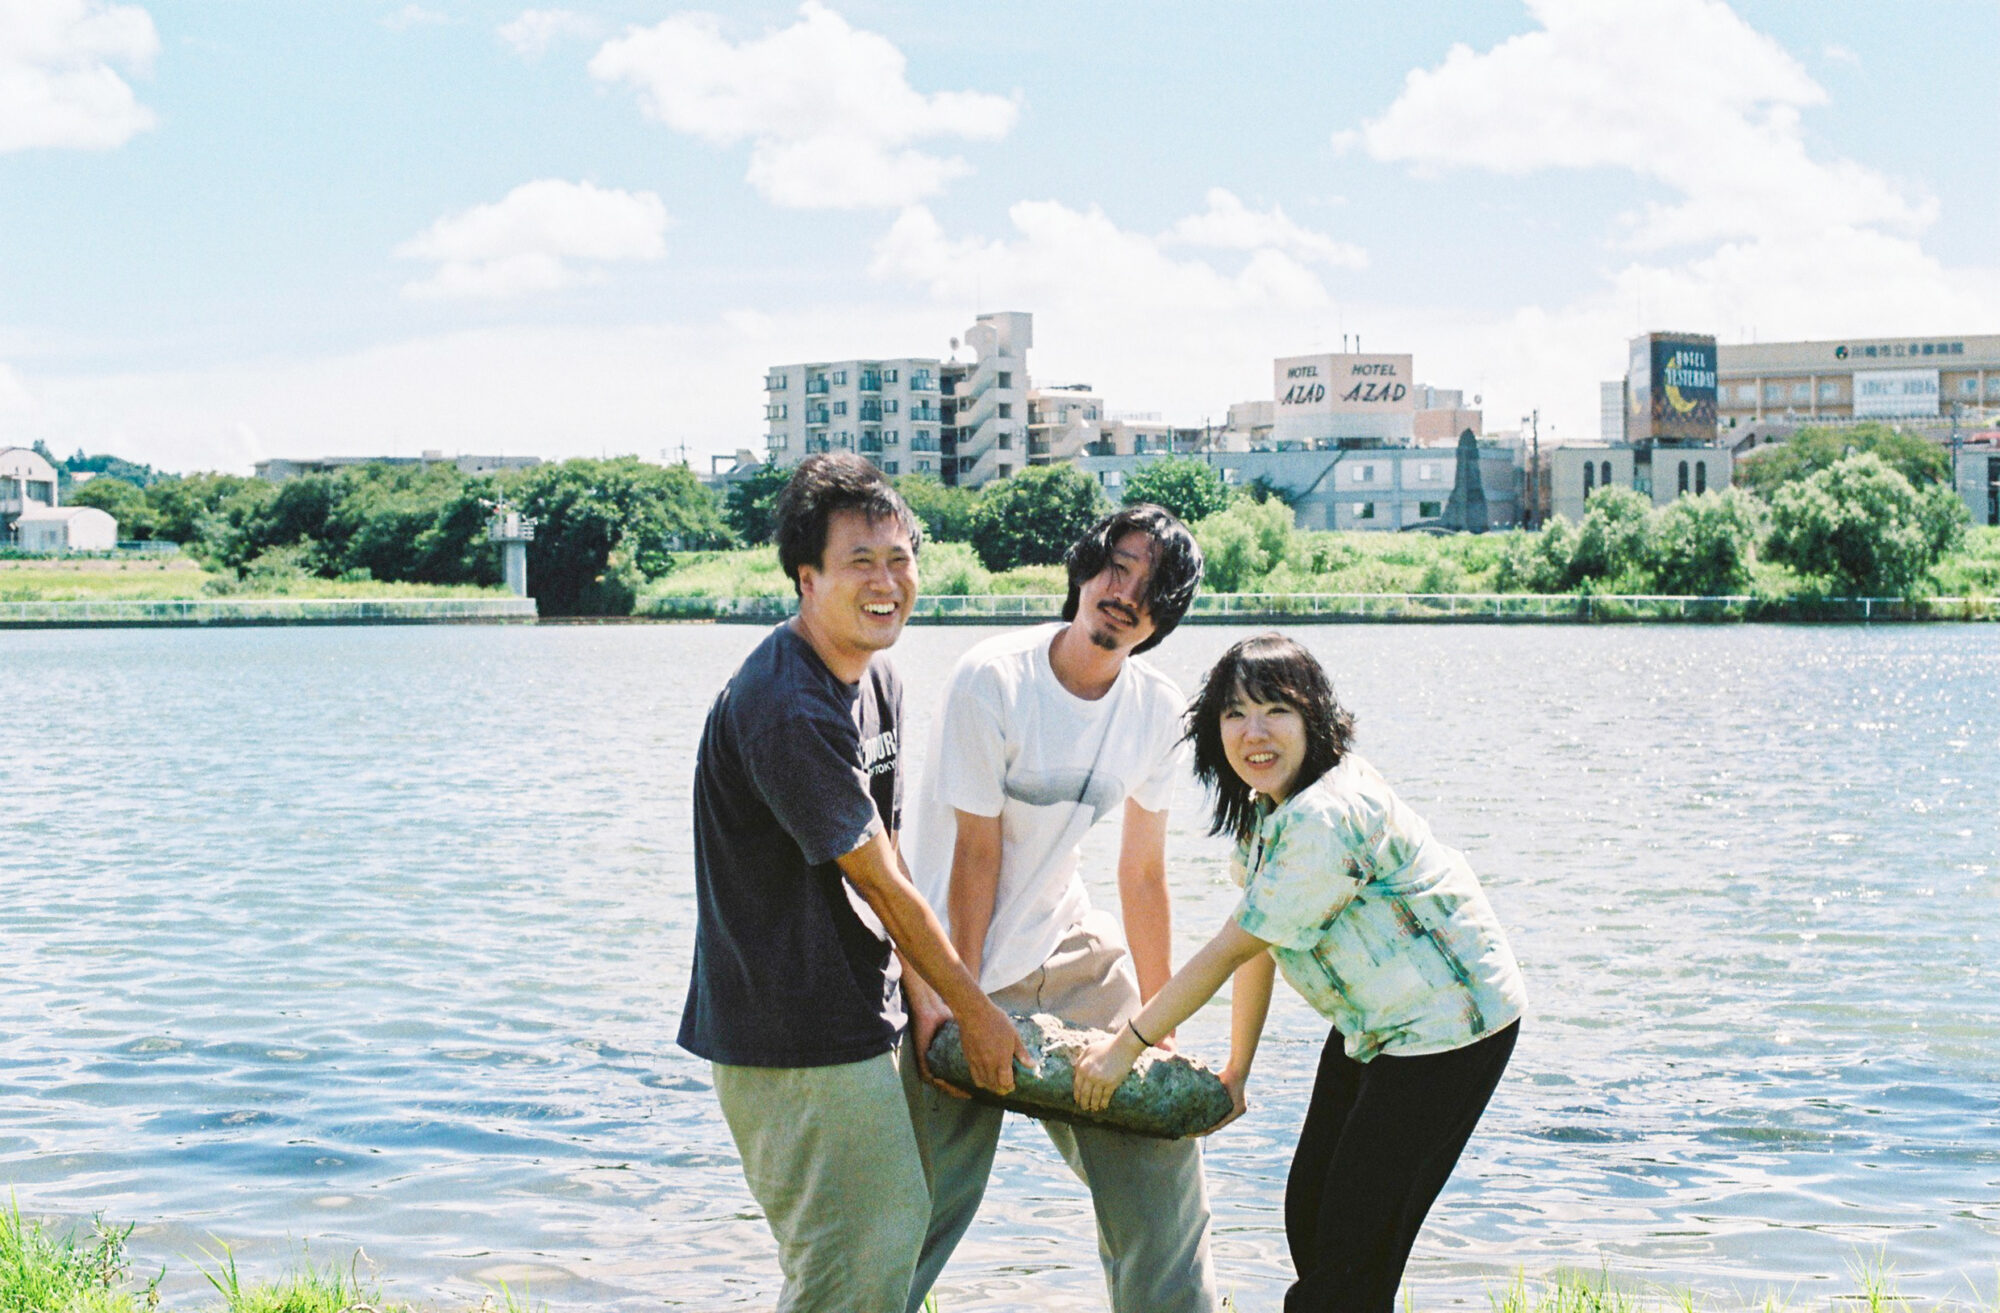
x=806, y=919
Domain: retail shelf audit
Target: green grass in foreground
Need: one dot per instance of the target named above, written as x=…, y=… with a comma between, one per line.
x=43, y=1271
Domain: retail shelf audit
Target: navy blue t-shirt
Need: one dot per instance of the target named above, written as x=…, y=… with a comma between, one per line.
x=796, y=768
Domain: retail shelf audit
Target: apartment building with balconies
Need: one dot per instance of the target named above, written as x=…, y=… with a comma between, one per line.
x=887, y=410
x=1063, y=420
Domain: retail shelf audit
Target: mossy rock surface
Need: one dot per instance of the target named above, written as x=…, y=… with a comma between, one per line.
x=1167, y=1096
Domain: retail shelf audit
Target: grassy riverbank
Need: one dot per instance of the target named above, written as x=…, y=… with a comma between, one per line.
x=45, y=1269
x=48, y=1270
x=176, y=577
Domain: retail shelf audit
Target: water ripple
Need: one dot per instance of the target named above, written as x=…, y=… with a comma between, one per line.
x=380, y=937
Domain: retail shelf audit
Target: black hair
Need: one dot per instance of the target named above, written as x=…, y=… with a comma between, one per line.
x=822, y=485
x=1268, y=668
x=1176, y=564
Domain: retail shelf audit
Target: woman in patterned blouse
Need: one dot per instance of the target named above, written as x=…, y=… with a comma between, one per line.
x=1385, y=932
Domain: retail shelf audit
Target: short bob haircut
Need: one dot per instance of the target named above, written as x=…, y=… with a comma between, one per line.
x=1267, y=668
x=821, y=486
x=1176, y=564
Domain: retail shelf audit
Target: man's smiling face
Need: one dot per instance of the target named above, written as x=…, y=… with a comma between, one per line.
x=865, y=584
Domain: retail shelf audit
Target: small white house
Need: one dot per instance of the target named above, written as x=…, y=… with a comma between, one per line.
x=65, y=529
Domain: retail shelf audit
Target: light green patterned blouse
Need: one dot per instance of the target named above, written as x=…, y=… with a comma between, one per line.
x=1383, y=929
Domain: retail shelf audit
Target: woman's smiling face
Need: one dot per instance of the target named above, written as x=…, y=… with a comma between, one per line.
x=1264, y=742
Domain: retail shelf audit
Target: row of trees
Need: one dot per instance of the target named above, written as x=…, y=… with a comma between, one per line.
x=1028, y=519
x=605, y=526
x=1856, y=527
x=1863, y=511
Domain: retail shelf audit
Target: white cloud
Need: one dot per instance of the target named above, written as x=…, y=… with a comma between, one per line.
x=58, y=84
x=536, y=30
x=1683, y=92
x=410, y=16
x=828, y=110
x=1230, y=225
x=15, y=400
x=1151, y=327
x=1069, y=259
x=534, y=239
x=1834, y=53
x=552, y=391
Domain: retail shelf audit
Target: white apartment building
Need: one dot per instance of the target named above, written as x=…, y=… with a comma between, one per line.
x=1063, y=420
x=27, y=483
x=964, y=423
x=986, y=402
x=888, y=410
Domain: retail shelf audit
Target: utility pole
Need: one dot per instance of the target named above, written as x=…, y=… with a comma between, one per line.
x=1957, y=441
x=1533, y=420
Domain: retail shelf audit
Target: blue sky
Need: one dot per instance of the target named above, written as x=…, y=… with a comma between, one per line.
x=235, y=229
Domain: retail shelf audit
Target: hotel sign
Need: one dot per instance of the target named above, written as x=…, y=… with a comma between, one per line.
x=1671, y=383
x=1305, y=386
x=1895, y=393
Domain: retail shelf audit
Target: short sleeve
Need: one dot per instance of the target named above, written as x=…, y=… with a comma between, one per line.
x=807, y=769
x=1307, y=879
x=1156, y=792
x=971, y=770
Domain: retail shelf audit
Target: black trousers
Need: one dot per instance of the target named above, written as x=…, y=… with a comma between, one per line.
x=1379, y=1141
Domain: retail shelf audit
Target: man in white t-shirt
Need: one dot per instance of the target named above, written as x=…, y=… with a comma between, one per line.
x=1043, y=733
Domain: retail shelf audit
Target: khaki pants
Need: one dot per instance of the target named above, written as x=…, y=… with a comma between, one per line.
x=1149, y=1195
x=831, y=1158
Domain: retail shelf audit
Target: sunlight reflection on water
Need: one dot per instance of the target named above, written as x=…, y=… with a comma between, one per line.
x=379, y=937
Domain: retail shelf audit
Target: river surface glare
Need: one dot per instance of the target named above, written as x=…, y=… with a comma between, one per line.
x=379, y=937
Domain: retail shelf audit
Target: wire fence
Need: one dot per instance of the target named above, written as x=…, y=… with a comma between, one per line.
x=267, y=611
x=1336, y=608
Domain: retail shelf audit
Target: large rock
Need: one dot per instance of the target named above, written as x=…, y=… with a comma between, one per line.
x=1167, y=1096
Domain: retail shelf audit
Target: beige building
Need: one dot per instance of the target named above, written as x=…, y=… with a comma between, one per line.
x=1569, y=474
x=1906, y=379
x=1063, y=420
x=1442, y=415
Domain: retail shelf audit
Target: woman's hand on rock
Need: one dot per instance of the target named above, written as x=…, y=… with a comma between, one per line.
x=1239, y=1098
x=1101, y=1068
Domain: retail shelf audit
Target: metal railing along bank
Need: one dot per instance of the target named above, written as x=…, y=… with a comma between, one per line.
x=268, y=611
x=1333, y=608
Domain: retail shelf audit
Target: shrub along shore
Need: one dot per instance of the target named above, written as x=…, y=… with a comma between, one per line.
x=46, y=1268
x=1330, y=576
x=1865, y=512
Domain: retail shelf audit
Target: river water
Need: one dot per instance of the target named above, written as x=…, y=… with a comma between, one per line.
x=378, y=937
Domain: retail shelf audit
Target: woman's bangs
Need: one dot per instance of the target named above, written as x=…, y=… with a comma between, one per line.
x=1275, y=677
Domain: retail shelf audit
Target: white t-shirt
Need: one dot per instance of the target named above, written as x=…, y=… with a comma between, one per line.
x=1011, y=741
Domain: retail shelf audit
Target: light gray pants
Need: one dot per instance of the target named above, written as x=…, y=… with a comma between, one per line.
x=1149, y=1195
x=831, y=1158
